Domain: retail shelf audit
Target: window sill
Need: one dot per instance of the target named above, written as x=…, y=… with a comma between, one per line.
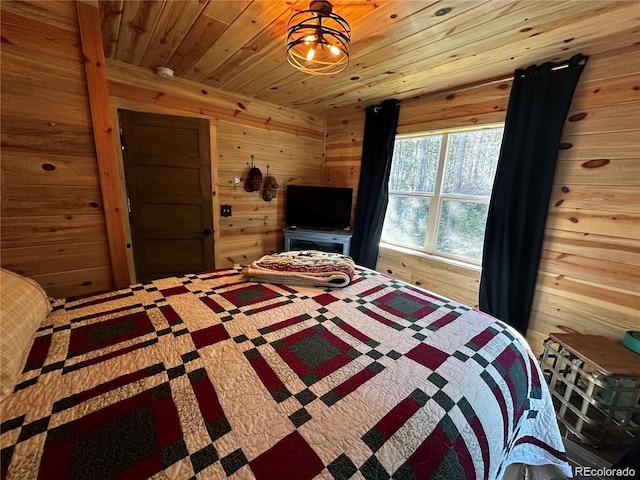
x=429, y=256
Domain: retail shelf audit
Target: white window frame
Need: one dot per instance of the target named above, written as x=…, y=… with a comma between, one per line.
x=438, y=197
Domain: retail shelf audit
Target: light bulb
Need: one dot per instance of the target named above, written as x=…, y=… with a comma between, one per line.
x=309, y=38
x=335, y=50
x=310, y=54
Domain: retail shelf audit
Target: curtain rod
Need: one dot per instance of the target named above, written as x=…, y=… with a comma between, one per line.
x=482, y=83
x=461, y=88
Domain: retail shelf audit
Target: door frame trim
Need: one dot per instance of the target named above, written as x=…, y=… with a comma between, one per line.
x=122, y=104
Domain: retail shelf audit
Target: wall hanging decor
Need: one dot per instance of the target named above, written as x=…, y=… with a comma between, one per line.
x=254, y=179
x=270, y=188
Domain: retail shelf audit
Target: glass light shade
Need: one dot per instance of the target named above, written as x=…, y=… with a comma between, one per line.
x=318, y=40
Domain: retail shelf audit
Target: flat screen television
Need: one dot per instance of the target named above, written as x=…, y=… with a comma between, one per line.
x=323, y=208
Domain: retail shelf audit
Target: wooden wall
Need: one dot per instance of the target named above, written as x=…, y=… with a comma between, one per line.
x=289, y=141
x=52, y=224
x=589, y=277
x=52, y=218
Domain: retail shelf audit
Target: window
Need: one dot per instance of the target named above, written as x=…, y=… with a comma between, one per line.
x=439, y=190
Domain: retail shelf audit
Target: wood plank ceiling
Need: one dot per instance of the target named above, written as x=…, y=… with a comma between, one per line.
x=400, y=48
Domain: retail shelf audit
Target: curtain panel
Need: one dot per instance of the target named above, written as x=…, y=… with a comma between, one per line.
x=537, y=110
x=373, y=191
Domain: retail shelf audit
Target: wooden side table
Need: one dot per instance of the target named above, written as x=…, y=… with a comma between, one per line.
x=595, y=384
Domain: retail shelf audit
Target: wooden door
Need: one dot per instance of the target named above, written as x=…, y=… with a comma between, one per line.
x=167, y=163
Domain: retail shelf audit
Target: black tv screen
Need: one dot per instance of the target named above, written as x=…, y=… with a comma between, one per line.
x=318, y=207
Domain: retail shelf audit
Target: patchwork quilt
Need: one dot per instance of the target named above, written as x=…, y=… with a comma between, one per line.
x=212, y=376
x=306, y=267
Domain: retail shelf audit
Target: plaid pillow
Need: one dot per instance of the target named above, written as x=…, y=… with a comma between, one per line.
x=23, y=307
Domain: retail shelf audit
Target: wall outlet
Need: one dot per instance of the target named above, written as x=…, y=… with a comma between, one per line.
x=225, y=210
x=236, y=181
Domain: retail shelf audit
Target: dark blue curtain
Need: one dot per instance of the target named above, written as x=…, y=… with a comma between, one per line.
x=538, y=106
x=373, y=192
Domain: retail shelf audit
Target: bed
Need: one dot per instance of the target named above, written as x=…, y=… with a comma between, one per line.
x=217, y=376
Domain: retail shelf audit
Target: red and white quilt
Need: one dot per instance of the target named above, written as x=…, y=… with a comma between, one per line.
x=211, y=376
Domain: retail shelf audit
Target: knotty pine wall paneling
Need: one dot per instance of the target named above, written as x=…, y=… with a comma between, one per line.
x=51, y=221
x=589, y=276
x=289, y=141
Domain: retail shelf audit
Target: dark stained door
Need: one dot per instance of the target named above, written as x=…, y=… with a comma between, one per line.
x=167, y=164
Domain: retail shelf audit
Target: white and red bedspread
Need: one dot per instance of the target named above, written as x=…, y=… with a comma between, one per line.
x=211, y=376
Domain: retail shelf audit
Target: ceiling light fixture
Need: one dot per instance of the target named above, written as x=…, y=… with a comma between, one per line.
x=318, y=40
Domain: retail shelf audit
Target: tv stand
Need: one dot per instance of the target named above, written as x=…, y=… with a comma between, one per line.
x=336, y=241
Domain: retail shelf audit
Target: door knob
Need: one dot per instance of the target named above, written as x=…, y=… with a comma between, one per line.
x=205, y=232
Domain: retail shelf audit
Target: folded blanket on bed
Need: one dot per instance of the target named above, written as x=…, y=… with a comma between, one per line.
x=307, y=267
